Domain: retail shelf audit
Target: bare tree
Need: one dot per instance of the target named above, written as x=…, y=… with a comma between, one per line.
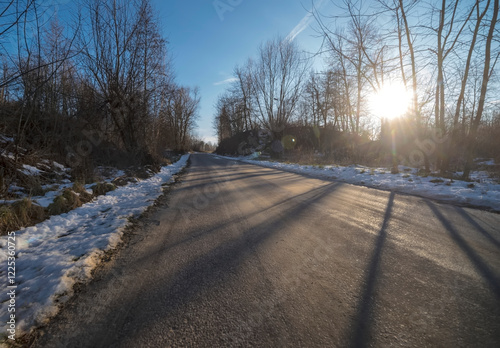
x=320, y=93
x=226, y=122
x=123, y=55
x=445, y=33
x=181, y=111
x=409, y=40
x=460, y=104
x=109, y=73
x=243, y=91
x=487, y=72
x=277, y=80
x=358, y=47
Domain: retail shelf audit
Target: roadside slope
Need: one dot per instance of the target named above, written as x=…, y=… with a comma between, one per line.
x=55, y=254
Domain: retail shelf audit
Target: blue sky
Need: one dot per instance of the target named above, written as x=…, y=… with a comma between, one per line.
x=206, y=45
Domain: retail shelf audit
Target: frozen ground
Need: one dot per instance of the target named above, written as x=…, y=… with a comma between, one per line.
x=52, y=176
x=484, y=194
x=57, y=185
x=53, y=255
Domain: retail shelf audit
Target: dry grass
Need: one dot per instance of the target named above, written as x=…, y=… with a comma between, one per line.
x=20, y=214
x=12, y=172
x=64, y=203
x=102, y=188
x=8, y=221
x=58, y=206
x=82, y=193
x=24, y=213
x=31, y=184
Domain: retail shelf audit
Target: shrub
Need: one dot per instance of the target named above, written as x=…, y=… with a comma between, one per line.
x=102, y=188
x=73, y=200
x=83, y=194
x=27, y=212
x=32, y=185
x=423, y=173
x=8, y=221
x=64, y=203
x=58, y=206
x=22, y=213
x=436, y=181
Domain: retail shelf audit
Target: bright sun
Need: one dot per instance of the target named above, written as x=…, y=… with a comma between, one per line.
x=390, y=102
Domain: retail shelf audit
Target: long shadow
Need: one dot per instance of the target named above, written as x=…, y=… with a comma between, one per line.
x=477, y=226
x=223, y=180
x=479, y=264
x=208, y=271
x=206, y=192
x=286, y=172
x=191, y=237
x=362, y=322
x=290, y=171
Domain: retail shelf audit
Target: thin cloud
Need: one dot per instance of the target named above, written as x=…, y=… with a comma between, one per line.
x=226, y=81
x=303, y=24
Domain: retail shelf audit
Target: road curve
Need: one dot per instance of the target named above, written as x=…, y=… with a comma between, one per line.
x=245, y=256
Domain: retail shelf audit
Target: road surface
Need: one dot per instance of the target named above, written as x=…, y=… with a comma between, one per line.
x=245, y=256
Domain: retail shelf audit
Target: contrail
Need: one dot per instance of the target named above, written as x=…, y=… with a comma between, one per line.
x=303, y=24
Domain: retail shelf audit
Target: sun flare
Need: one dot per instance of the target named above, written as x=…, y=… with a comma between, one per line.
x=390, y=102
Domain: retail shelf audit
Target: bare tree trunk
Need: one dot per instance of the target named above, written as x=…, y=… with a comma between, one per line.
x=484, y=87
x=415, y=104
x=461, y=97
x=442, y=52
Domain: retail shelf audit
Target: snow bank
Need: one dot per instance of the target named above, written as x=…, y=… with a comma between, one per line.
x=58, y=252
x=483, y=194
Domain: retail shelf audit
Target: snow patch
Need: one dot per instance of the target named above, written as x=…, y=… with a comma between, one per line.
x=30, y=170
x=485, y=193
x=6, y=139
x=58, y=252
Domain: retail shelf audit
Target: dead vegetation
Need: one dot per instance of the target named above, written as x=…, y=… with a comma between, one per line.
x=25, y=212
x=20, y=214
x=26, y=175
x=29, y=174
x=102, y=188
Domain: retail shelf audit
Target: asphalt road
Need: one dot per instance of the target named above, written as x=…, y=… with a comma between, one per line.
x=244, y=256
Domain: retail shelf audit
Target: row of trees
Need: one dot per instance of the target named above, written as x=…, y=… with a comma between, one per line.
x=444, y=54
x=106, y=71
x=266, y=90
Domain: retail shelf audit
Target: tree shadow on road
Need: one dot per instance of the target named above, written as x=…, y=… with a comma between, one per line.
x=360, y=335
x=477, y=226
x=479, y=264
x=202, y=274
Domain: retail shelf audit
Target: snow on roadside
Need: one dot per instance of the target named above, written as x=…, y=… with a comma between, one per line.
x=48, y=198
x=53, y=255
x=30, y=170
x=483, y=194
